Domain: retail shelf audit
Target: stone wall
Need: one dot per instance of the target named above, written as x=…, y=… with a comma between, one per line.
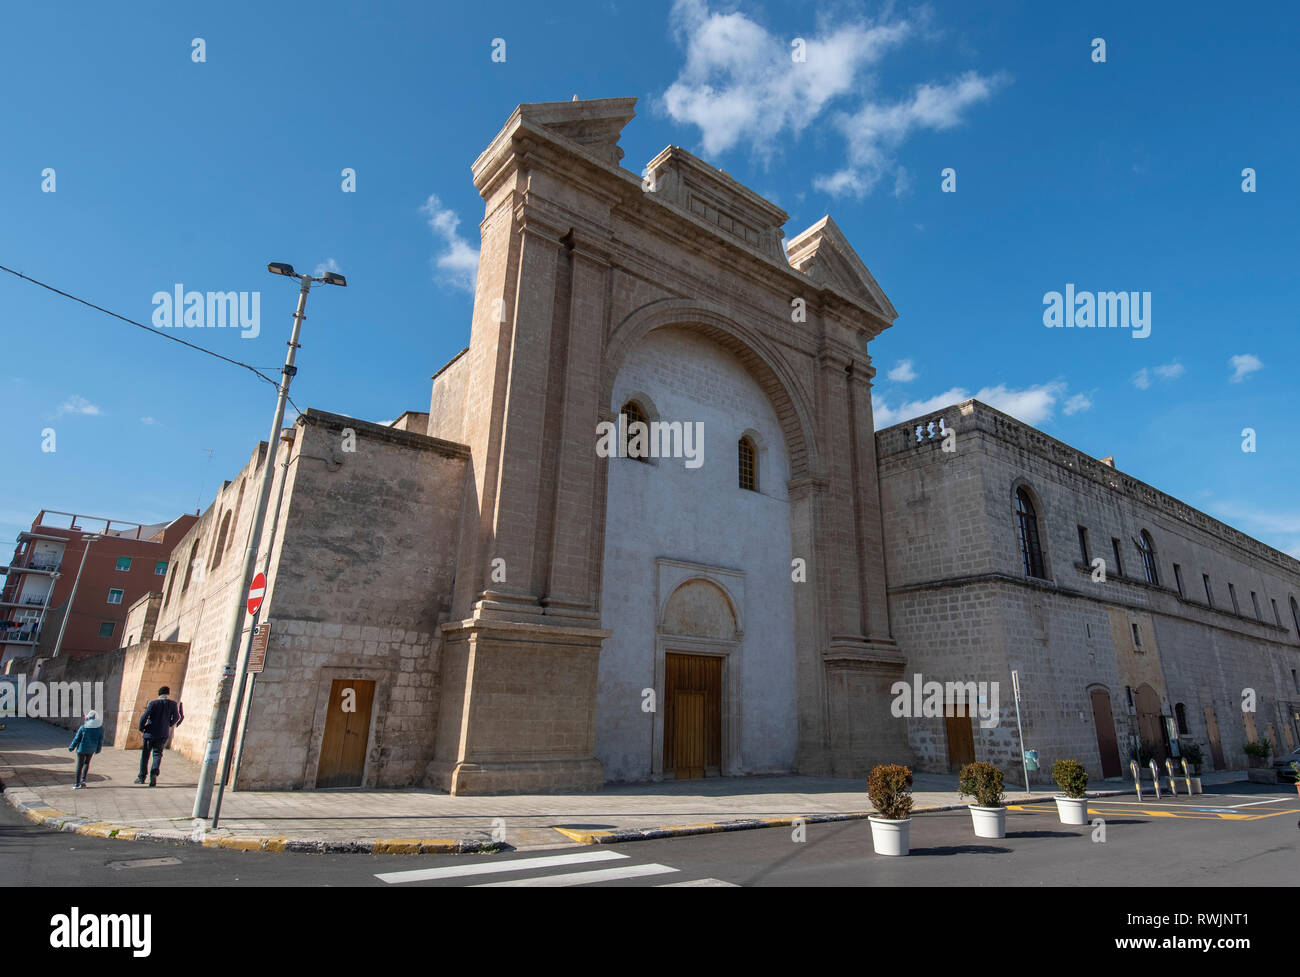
x=951, y=529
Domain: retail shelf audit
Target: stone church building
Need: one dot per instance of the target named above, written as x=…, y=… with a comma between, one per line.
x=513, y=609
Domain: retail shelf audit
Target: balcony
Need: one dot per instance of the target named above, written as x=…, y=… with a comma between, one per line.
x=19, y=637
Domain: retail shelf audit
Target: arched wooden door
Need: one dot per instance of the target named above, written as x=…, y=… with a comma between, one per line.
x=1107, y=744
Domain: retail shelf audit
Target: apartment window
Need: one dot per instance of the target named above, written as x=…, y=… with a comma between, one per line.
x=1277, y=616
x=1255, y=600
x=160, y=568
x=1180, y=714
x=1209, y=594
x=1083, y=545
x=1119, y=564
x=1295, y=614
x=1031, y=552
x=124, y=563
x=1295, y=680
x=1137, y=636
x=1232, y=592
x=748, y=469
x=637, y=444
x=1147, y=551
x=1178, y=579
x=106, y=629
x=115, y=596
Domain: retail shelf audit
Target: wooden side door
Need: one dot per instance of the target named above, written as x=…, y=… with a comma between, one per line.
x=961, y=741
x=692, y=716
x=347, y=733
x=1107, y=744
x=1216, y=745
x=1151, y=728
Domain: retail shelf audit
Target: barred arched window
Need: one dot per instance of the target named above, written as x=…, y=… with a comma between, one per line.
x=1148, y=551
x=637, y=441
x=1180, y=713
x=748, y=465
x=1031, y=552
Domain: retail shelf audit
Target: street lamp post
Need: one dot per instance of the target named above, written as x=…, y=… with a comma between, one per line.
x=67, y=609
x=234, y=628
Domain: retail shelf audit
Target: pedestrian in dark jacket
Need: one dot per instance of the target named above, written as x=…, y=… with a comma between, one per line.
x=88, y=741
x=160, y=715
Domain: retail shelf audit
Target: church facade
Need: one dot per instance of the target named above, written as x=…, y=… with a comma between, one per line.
x=746, y=580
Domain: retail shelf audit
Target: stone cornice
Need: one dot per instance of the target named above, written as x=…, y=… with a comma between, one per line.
x=972, y=416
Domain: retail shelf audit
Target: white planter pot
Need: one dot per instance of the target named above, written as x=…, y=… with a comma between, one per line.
x=990, y=822
x=890, y=837
x=1072, y=810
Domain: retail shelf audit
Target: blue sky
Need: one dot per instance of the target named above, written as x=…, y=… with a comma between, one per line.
x=1122, y=175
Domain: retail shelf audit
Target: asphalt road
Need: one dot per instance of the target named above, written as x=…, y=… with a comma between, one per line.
x=1242, y=835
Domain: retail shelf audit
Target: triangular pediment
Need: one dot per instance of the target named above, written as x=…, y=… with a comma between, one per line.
x=824, y=254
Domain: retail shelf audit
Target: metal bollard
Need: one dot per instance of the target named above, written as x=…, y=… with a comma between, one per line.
x=1173, y=784
x=1155, y=775
x=1137, y=777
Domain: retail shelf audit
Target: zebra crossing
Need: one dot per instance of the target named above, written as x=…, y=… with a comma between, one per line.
x=593, y=867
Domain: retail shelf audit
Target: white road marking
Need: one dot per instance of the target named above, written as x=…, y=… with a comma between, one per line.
x=698, y=882
x=489, y=868
x=584, y=878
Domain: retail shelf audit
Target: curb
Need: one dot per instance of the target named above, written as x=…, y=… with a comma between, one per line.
x=39, y=813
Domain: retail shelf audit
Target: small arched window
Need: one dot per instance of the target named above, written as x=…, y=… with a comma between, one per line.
x=748, y=459
x=1031, y=552
x=221, y=542
x=636, y=432
x=1295, y=615
x=1180, y=714
x=1148, y=551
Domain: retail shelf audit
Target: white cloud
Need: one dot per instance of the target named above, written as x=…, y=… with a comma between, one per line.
x=1167, y=371
x=1244, y=364
x=876, y=130
x=77, y=404
x=903, y=372
x=329, y=264
x=147, y=420
x=457, y=264
x=739, y=84
x=1033, y=405
x=1077, y=403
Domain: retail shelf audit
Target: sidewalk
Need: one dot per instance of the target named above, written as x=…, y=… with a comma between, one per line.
x=36, y=769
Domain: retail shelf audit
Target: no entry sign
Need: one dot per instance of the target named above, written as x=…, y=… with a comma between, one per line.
x=256, y=591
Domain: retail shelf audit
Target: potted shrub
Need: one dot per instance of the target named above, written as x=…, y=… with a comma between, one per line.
x=1192, y=754
x=983, y=781
x=1258, y=752
x=889, y=789
x=1296, y=767
x=1072, y=805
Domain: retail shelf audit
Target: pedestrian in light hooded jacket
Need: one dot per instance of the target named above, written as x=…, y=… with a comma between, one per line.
x=88, y=741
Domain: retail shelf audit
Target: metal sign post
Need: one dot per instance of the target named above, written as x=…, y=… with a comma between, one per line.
x=1020, y=731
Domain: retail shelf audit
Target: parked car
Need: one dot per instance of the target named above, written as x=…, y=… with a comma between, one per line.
x=1282, y=764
